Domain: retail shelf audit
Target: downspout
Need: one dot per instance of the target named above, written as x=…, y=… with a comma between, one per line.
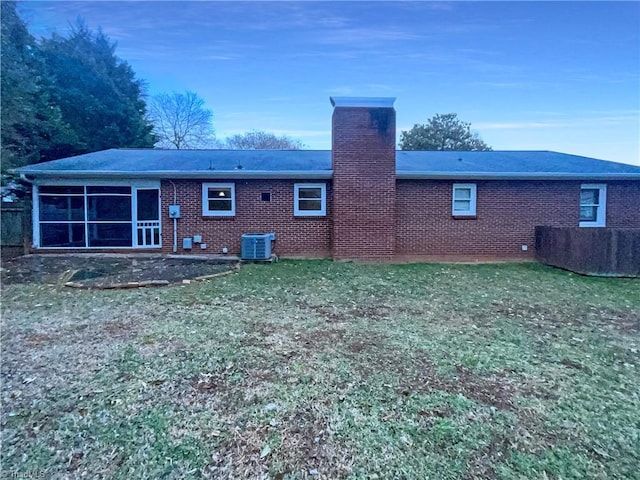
x=175, y=220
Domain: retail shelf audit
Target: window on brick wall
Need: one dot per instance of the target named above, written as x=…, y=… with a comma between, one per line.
x=310, y=199
x=218, y=199
x=464, y=199
x=593, y=202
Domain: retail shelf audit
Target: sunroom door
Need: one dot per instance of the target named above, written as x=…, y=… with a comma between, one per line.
x=148, y=218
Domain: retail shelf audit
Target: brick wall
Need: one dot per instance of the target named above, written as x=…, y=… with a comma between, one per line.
x=295, y=236
x=507, y=214
x=623, y=204
x=363, y=158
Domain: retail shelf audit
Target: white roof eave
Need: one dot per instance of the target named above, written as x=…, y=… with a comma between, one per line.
x=171, y=174
x=514, y=176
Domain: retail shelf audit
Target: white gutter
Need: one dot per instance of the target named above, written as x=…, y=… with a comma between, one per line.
x=320, y=175
x=514, y=176
x=201, y=174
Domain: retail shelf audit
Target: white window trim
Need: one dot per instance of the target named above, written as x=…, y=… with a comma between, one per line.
x=472, y=204
x=205, y=200
x=601, y=216
x=310, y=213
x=35, y=217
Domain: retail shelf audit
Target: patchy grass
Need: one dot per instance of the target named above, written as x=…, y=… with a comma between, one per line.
x=314, y=369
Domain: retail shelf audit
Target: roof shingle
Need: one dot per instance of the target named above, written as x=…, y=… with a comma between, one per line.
x=316, y=164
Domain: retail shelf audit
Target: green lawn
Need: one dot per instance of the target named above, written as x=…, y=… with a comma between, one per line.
x=315, y=369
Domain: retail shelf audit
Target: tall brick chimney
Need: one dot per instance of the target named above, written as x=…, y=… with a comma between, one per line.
x=364, y=178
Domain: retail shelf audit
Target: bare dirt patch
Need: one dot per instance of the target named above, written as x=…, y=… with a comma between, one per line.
x=540, y=315
x=119, y=330
x=101, y=271
x=496, y=390
x=39, y=339
x=336, y=314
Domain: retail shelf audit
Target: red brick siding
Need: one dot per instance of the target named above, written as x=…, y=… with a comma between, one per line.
x=295, y=236
x=363, y=183
x=623, y=204
x=507, y=214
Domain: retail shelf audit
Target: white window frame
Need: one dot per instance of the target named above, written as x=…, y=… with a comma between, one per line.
x=205, y=200
x=310, y=213
x=472, y=201
x=601, y=213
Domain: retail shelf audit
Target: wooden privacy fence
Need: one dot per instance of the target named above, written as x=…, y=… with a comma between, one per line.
x=15, y=232
x=590, y=251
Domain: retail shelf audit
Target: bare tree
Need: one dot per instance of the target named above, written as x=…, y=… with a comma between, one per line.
x=181, y=121
x=259, y=140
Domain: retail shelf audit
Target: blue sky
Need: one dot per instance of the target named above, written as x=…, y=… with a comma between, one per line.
x=561, y=76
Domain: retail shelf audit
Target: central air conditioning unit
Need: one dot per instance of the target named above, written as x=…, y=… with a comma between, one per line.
x=257, y=246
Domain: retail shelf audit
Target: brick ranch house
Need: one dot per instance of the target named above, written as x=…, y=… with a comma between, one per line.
x=361, y=200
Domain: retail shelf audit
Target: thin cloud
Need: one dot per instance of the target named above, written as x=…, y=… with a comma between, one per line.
x=281, y=99
x=568, y=123
x=301, y=133
x=217, y=57
x=365, y=36
x=515, y=84
x=366, y=89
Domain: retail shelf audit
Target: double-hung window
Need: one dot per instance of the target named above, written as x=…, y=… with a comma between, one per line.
x=218, y=199
x=310, y=199
x=464, y=200
x=593, y=203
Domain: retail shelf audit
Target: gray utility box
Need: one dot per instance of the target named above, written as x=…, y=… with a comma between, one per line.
x=257, y=246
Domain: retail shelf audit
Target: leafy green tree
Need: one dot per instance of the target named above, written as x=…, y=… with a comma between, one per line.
x=97, y=93
x=259, y=140
x=181, y=121
x=442, y=132
x=30, y=122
